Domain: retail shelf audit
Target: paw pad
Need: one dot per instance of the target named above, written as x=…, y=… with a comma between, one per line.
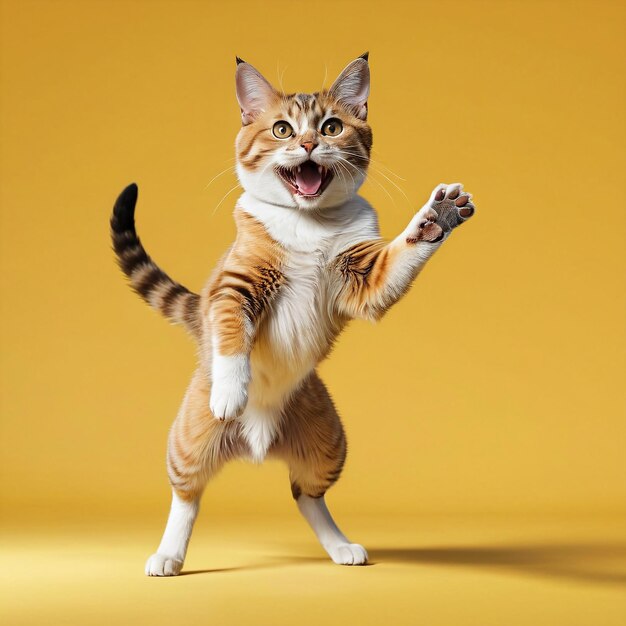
x=448, y=207
x=452, y=204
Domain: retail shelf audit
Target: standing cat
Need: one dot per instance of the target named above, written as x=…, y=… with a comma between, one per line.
x=307, y=258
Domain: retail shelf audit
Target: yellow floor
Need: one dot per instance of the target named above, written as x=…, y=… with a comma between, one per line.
x=428, y=571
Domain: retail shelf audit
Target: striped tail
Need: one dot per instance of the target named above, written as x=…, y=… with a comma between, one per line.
x=170, y=298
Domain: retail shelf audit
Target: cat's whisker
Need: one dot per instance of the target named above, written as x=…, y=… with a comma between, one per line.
x=280, y=77
x=359, y=155
x=224, y=198
x=373, y=171
x=374, y=180
x=386, y=167
x=379, y=164
x=325, y=76
x=357, y=170
x=343, y=178
x=347, y=173
x=230, y=168
x=342, y=160
x=395, y=185
x=374, y=161
x=335, y=170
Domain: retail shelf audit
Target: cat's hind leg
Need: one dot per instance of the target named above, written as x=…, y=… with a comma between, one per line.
x=198, y=446
x=313, y=444
x=169, y=558
x=340, y=549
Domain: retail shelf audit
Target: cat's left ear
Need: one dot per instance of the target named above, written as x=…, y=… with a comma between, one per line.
x=353, y=86
x=254, y=93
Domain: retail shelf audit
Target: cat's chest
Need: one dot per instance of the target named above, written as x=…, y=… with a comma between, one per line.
x=300, y=321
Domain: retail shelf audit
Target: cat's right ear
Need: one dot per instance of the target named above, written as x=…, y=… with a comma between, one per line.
x=254, y=93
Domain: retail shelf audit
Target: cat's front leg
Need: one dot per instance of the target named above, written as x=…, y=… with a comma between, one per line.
x=372, y=275
x=237, y=303
x=230, y=329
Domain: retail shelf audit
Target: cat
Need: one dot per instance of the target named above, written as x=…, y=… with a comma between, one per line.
x=307, y=258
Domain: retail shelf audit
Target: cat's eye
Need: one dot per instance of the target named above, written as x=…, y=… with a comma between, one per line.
x=332, y=127
x=282, y=130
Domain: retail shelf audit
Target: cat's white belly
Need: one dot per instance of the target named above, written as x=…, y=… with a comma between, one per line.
x=298, y=329
x=293, y=338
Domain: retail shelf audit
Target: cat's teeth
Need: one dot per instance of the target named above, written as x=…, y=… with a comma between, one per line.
x=320, y=169
x=299, y=168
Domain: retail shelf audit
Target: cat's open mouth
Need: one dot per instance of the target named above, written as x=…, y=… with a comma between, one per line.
x=307, y=179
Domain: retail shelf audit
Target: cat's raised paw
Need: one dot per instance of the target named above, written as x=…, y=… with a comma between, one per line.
x=448, y=207
x=452, y=205
x=348, y=554
x=162, y=565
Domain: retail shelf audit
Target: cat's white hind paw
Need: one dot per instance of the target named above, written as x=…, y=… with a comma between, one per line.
x=162, y=565
x=348, y=554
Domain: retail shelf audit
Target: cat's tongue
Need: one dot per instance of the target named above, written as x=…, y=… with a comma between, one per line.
x=308, y=179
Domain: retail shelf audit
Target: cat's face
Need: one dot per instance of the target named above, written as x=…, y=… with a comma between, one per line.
x=304, y=151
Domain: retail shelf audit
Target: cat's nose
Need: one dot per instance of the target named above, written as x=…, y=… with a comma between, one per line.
x=309, y=146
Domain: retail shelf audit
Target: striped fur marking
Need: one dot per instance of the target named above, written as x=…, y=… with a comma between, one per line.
x=155, y=287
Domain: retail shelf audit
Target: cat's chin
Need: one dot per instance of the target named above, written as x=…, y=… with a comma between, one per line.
x=312, y=203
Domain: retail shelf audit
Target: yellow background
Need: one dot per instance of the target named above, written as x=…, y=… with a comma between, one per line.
x=495, y=387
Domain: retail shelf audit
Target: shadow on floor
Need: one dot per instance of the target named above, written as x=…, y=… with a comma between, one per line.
x=277, y=562
x=589, y=563
x=603, y=564
x=219, y=570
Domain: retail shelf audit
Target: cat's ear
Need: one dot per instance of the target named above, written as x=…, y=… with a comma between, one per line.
x=254, y=93
x=352, y=87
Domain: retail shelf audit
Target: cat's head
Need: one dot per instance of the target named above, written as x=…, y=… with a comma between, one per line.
x=305, y=151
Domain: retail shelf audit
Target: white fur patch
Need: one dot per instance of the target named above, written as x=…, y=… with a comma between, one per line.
x=229, y=388
x=330, y=230
x=170, y=556
x=339, y=548
x=259, y=429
